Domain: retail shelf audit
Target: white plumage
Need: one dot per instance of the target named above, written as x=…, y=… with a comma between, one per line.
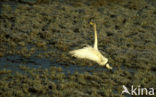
x=91, y=53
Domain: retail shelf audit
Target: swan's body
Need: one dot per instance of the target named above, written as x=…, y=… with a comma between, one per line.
x=91, y=53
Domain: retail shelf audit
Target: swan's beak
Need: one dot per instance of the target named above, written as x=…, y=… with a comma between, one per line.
x=91, y=23
x=108, y=66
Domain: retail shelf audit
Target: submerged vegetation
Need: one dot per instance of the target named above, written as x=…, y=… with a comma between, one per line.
x=35, y=40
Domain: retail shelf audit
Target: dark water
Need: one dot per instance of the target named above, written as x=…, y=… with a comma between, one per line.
x=13, y=63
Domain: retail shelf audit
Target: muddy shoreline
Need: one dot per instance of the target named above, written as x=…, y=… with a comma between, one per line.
x=35, y=40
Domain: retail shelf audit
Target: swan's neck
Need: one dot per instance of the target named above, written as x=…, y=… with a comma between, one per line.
x=95, y=37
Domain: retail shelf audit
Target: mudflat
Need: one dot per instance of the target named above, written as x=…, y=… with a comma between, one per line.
x=37, y=35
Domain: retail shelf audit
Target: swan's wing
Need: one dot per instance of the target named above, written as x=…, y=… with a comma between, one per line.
x=86, y=52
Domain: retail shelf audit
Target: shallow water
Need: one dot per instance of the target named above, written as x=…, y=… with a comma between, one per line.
x=13, y=62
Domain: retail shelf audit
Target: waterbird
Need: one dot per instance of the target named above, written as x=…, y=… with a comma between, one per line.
x=91, y=53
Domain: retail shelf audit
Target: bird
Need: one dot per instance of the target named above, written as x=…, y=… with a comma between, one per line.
x=91, y=53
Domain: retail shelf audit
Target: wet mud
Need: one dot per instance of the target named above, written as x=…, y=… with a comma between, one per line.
x=36, y=37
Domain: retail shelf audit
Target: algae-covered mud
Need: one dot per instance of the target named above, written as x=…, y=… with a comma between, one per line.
x=37, y=35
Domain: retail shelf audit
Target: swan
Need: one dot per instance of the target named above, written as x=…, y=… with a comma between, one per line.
x=91, y=53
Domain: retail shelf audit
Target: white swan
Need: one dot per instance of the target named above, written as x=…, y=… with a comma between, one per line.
x=92, y=53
